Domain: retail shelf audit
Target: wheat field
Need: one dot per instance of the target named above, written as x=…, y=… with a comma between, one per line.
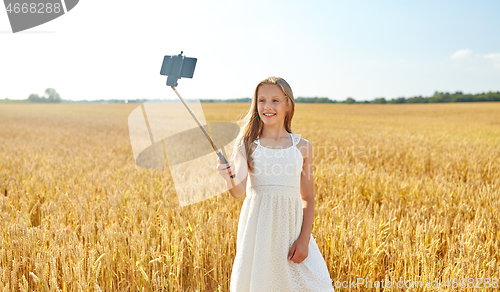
x=404, y=192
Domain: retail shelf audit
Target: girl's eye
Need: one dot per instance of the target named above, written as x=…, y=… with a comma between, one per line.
x=276, y=100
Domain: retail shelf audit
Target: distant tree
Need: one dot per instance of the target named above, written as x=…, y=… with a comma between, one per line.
x=464, y=98
x=379, y=100
x=52, y=95
x=323, y=100
x=417, y=99
x=34, y=98
x=350, y=100
x=398, y=100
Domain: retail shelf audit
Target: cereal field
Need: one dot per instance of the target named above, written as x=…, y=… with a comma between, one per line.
x=406, y=192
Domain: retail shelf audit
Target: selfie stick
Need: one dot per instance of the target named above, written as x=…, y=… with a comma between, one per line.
x=175, y=67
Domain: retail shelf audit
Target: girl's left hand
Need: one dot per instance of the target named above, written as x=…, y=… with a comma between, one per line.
x=298, y=251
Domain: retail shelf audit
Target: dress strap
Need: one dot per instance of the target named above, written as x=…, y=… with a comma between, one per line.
x=295, y=138
x=257, y=141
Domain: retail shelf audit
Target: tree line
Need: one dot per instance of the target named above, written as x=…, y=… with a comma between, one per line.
x=51, y=96
x=438, y=97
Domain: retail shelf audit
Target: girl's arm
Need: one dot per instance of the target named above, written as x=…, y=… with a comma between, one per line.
x=299, y=250
x=240, y=181
x=240, y=168
x=307, y=192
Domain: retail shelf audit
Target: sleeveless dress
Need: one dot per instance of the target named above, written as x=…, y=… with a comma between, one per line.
x=270, y=222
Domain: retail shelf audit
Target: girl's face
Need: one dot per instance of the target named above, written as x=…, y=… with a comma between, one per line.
x=272, y=104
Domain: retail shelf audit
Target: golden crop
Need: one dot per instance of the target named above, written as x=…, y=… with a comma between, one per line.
x=403, y=192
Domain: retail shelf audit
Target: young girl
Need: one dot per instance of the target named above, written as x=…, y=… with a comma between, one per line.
x=275, y=250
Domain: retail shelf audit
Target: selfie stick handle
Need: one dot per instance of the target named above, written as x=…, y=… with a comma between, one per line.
x=216, y=149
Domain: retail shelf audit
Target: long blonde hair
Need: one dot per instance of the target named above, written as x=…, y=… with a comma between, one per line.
x=251, y=125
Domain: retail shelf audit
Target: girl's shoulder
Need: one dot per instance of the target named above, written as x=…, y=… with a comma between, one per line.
x=299, y=141
x=303, y=145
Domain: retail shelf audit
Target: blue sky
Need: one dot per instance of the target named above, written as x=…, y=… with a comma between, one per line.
x=335, y=49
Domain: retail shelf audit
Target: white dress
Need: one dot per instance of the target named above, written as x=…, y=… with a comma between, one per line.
x=270, y=222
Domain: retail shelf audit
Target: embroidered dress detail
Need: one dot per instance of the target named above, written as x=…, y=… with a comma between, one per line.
x=270, y=222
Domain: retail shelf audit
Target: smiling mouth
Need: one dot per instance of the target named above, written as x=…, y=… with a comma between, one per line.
x=269, y=115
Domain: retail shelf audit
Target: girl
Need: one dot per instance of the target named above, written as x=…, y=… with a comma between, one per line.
x=275, y=250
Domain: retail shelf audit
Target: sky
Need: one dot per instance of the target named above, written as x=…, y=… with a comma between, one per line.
x=336, y=49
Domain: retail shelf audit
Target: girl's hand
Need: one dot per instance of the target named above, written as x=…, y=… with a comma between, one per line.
x=298, y=251
x=223, y=169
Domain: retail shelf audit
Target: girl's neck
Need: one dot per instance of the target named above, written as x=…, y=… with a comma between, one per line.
x=274, y=132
